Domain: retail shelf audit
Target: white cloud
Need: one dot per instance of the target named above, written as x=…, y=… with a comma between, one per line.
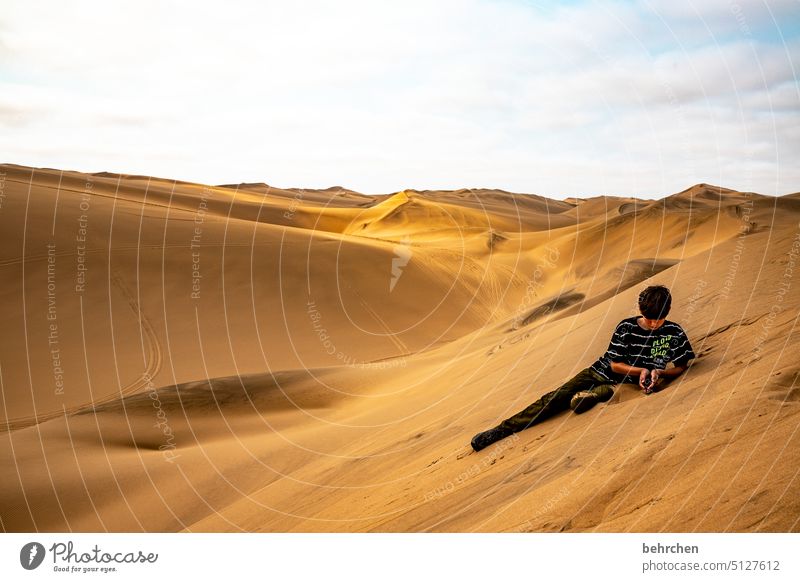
x=380, y=96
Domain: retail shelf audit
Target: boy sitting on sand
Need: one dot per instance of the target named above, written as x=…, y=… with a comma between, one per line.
x=639, y=351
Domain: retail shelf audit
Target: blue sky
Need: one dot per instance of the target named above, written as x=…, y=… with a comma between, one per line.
x=560, y=99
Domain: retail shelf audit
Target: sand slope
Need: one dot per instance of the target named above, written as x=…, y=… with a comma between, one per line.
x=223, y=358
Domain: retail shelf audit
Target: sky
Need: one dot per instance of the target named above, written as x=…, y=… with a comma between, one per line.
x=576, y=98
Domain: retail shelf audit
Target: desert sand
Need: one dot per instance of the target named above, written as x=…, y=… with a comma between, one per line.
x=182, y=357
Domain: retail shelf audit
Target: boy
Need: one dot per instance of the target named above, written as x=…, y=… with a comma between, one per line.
x=639, y=351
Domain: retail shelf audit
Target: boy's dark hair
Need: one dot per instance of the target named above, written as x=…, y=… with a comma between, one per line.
x=655, y=302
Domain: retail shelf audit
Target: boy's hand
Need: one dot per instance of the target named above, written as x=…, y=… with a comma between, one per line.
x=648, y=379
x=655, y=374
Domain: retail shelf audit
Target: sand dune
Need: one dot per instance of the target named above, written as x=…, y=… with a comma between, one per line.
x=182, y=357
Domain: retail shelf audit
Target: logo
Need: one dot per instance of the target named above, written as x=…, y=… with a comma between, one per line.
x=31, y=555
x=402, y=254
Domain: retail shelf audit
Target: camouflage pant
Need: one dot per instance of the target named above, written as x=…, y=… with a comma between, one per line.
x=558, y=400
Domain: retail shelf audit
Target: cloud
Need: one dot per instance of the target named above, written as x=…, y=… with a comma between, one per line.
x=559, y=100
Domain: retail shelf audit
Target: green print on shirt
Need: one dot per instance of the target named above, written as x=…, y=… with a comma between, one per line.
x=660, y=346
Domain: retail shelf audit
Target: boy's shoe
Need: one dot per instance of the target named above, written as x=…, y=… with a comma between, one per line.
x=487, y=437
x=583, y=401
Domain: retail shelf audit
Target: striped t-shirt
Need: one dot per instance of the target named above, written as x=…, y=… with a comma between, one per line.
x=633, y=345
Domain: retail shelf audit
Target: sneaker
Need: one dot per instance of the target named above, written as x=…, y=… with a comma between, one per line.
x=583, y=401
x=487, y=437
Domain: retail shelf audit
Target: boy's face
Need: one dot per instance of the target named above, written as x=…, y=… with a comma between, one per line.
x=652, y=323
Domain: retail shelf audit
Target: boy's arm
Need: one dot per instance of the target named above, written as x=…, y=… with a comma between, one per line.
x=667, y=373
x=628, y=370
x=623, y=368
x=674, y=371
